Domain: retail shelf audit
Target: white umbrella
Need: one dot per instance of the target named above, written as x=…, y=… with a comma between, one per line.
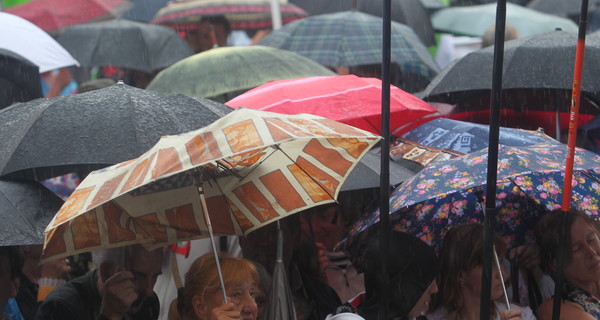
x=26, y=39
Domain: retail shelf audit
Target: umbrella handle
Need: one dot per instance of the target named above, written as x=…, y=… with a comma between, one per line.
x=212, y=241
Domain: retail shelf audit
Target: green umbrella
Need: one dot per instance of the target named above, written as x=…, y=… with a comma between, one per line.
x=475, y=20
x=221, y=74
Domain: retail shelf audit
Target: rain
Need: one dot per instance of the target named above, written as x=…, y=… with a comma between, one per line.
x=231, y=159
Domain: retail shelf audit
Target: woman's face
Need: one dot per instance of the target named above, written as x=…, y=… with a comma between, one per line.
x=471, y=282
x=241, y=295
x=584, y=265
x=422, y=305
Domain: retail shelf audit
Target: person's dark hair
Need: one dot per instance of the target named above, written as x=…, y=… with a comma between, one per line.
x=462, y=249
x=14, y=256
x=547, y=233
x=412, y=266
x=219, y=20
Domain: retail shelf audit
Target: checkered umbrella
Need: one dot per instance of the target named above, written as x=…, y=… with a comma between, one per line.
x=245, y=170
x=352, y=38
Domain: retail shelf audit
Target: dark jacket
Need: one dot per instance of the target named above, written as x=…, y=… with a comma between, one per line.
x=79, y=299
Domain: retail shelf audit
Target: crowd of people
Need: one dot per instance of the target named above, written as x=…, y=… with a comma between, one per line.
x=423, y=284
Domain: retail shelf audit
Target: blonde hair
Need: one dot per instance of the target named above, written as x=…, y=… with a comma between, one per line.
x=202, y=279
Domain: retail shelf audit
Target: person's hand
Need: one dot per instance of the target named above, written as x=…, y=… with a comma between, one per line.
x=118, y=294
x=56, y=269
x=513, y=314
x=322, y=259
x=225, y=312
x=529, y=256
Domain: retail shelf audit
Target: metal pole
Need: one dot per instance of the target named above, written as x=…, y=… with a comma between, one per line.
x=384, y=204
x=492, y=174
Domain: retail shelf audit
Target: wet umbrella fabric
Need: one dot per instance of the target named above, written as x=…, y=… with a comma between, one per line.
x=19, y=79
x=349, y=99
x=241, y=14
x=412, y=13
x=246, y=170
x=474, y=21
x=561, y=8
x=221, y=74
x=26, y=208
x=143, y=10
x=48, y=137
x=352, y=38
x=33, y=43
x=53, y=15
x=450, y=192
x=126, y=44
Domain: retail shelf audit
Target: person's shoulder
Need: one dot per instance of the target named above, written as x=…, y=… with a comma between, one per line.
x=438, y=314
x=344, y=316
x=568, y=310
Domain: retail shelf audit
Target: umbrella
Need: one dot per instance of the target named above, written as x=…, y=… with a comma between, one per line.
x=473, y=21
x=31, y=42
x=53, y=15
x=412, y=13
x=48, y=137
x=351, y=39
x=529, y=85
x=124, y=43
x=143, y=10
x=245, y=170
x=559, y=7
x=221, y=74
x=348, y=99
x=366, y=173
x=26, y=208
x=466, y=137
x=19, y=79
x=280, y=303
x=242, y=14
x=450, y=192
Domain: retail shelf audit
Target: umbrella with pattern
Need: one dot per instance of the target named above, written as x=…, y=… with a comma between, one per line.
x=245, y=170
x=450, y=192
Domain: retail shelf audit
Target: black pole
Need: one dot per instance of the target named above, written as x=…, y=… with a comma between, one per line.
x=384, y=200
x=492, y=174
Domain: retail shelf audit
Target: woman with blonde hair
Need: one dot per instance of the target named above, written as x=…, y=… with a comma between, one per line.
x=202, y=297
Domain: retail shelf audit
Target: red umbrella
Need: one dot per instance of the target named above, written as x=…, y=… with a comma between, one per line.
x=52, y=15
x=348, y=99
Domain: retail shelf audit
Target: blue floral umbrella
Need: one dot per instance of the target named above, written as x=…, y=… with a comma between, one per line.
x=450, y=192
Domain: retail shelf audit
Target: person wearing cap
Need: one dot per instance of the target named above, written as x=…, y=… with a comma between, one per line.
x=413, y=267
x=460, y=279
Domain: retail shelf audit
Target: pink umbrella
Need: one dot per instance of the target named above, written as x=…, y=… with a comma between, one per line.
x=348, y=99
x=53, y=15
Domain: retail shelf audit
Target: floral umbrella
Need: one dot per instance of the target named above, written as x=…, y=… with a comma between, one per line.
x=245, y=170
x=450, y=192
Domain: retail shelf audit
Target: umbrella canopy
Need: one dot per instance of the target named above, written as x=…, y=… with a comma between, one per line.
x=558, y=7
x=348, y=99
x=143, y=10
x=447, y=193
x=352, y=38
x=366, y=173
x=19, y=79
x=26, y=208
x=241, y=14
x=473, y=21
x=253, y=167
x=124, y=43
x=412, y=13
x=221, y=74
x=53, y=15
x=32, y=43
x=529, y=86
x=48, y=137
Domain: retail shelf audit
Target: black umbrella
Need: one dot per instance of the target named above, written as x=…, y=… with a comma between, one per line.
x=366, y=173
x=143, y=10
x=123, y=43
x=95, y=129
x=561, y=7
x=26, y=208
x=19, y=79
x=412, y=13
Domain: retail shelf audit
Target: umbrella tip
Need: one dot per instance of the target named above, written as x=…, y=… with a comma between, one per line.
x=120, y=82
